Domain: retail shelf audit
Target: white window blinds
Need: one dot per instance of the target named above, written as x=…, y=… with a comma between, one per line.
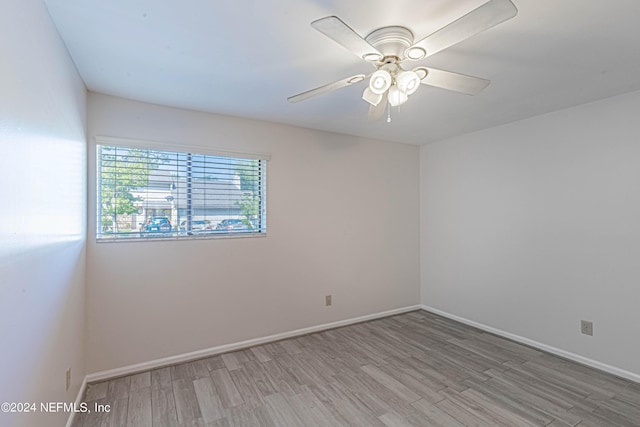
x=145, y=193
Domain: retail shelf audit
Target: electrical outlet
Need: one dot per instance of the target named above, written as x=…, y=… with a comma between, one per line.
x=68, y=378
x=586, y=327
x=327, y=300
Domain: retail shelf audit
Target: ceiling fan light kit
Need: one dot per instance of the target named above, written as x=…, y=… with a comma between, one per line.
x=388, y=47
x=398, y=82
x=396, y=96
x=371, y=97
x=408, y=82
x=380, y=82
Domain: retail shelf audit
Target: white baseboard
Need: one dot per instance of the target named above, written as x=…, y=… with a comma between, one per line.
x=186, y=357
x=78, y=400
x=538, y=345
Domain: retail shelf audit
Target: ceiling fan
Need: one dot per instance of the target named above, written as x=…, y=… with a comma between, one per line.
x=391, y=49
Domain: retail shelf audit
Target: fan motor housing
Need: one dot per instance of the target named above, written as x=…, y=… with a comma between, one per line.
x=391, y=41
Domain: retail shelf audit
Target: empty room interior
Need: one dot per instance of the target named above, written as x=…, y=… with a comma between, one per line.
x=300, y=213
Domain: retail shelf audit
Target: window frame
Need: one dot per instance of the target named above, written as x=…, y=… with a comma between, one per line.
x=182, y=149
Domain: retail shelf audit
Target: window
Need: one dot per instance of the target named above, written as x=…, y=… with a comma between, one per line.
x=147, y=193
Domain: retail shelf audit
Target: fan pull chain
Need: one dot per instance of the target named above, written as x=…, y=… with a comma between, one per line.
x=388, y=113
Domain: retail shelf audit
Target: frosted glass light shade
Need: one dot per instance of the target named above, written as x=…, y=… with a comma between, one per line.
x=408, y=82
x=371, y=97
x=380, y=82
x=396, y=96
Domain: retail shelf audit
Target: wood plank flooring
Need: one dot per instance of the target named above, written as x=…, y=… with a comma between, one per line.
x=414, y=369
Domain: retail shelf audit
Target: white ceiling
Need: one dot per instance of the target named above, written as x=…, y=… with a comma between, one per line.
x=245, y=57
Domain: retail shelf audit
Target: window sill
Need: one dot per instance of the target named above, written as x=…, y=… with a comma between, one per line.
x=181, y=238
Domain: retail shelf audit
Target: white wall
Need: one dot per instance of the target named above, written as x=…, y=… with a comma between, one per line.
x=42, y=214
x=342, y=220
x=533, y=226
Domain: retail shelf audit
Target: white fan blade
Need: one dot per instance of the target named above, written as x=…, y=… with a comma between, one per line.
x=454, y=81
x=377, y=111
x=484, y=17
x=327, y=88
x=334, y=28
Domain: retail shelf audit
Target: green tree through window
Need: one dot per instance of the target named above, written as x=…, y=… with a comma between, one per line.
x=249, y=204
x=145, y=193
x=122, y=170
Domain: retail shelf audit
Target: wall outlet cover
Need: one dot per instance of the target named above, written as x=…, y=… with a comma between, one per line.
x=586, y=327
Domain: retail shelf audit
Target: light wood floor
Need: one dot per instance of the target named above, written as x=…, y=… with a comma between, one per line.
x=414, y=369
